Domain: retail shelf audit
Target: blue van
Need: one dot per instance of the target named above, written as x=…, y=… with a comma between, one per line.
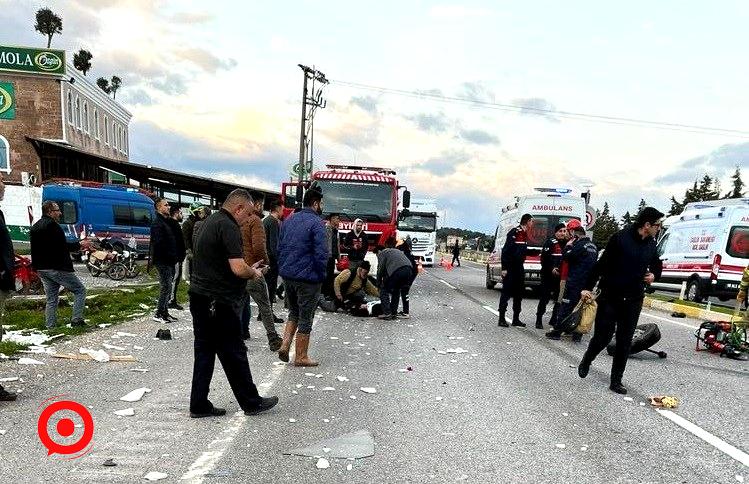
x=120, y=213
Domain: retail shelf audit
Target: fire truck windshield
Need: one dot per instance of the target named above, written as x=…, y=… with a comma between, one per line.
x=418, y=222
x=371, y=202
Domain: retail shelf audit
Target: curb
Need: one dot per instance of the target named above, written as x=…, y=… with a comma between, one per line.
x=690, y=311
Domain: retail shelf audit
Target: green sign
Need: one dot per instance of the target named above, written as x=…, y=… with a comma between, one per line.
x=38, y=61
x=7, y=101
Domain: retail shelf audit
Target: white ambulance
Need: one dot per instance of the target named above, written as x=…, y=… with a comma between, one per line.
x=708, y=248
x=549, y=207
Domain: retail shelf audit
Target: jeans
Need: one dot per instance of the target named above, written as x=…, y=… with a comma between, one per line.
x=175, y=282
x=166, y=278
x=218, y=333
x=4, y=296
x=302, y=297
x=391, y=290
x=258, y=291
x=52, y=280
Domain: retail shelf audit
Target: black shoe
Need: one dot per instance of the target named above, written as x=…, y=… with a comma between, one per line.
x=259, y=317
x=274, y=343
x=6, y=396
x=164, y=334
x=169, y=318
x=78, y=323
x=159, y=318
x=518, y=323
x=176, y=306
x=583, y=368
x=577, y=337
x=265, y=404
x=502, y=322
x=214, y=412
x=386, y=317
x=246, y=335
x=278, y=320
x=556, y=336
x=618, y=388
x=539, y=323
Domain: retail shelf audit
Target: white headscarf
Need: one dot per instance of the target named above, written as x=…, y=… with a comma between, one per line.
x=358, y=221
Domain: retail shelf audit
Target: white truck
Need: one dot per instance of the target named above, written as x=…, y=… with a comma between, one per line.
x=419, y=223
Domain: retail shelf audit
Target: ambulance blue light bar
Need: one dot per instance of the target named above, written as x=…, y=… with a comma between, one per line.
x=553, y=190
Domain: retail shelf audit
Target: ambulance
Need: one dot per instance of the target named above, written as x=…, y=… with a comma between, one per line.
x=707, y=248
x=549, y=207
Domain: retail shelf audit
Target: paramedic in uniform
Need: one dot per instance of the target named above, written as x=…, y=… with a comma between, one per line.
x=513, y=273
x=551, y=260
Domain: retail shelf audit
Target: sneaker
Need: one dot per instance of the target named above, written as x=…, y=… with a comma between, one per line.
x=402, y=315
x=385, y=316
x=174, y=305
x=6, y=396
x=265, y=404
x=78, y=322
x=502, y=322
x=160, y=319
x=214, y=412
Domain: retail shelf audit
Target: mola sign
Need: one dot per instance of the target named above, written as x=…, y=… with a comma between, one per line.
x=37, y=61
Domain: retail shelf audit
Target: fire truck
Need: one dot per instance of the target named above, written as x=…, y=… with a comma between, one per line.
x=368, y=193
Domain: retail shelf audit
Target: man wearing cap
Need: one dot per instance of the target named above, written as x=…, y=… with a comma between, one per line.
x=353, y=285
x=513, y=272
x=580, y=255
x=197, y=212
x=551, y=259
x=629, y=264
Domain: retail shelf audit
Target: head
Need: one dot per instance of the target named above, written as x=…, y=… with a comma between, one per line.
x=258, y=202
x=162, y=206
x=358, y=225
x=196, y=210
x=574, y=227
x=560, y=232
x=390, y=243
x=313, y=199
x=239, y=204
x=176, y=213
x=526, y=221
x=276, y=209
x=2, y=188
x=649, y=222
x=334, y=220
x=363, y=270
x=52, y=209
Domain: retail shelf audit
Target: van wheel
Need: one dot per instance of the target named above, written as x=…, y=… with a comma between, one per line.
x=489, y=282
x=694, y=293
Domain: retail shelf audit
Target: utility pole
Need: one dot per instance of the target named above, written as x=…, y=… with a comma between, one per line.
x=311, y=100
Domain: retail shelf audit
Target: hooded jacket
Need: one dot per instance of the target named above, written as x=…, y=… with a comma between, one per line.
x=357, y=245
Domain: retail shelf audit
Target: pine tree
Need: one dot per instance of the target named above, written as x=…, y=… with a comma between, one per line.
x=738, y=185
x=640, y=207
x=676, y=207
x=626, y=219
x=606, y=226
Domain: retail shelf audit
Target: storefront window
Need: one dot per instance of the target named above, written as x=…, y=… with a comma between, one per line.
x=4, y=154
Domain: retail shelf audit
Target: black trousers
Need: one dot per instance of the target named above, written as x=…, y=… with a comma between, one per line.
x=327, y=287
x=405, y=298
x=177, y=279
x=391, y=290
x=513, y=286
x=456, y=257
x=618, y=315
x=271, y=278
x=549, y=291
x=218, y=333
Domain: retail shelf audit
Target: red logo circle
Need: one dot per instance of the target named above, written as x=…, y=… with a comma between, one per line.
x=65, y=427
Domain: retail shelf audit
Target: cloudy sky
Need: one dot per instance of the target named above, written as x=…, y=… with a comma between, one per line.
x=215, y=89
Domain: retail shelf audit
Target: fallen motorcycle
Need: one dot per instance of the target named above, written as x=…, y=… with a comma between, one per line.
x=101, y=258
x=645, y=336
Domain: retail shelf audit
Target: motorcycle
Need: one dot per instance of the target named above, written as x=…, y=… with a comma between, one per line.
x=128, y=258
x=102, y=258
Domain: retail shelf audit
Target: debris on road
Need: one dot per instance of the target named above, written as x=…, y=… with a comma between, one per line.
x=9, y=379
x=328, y=389
x=678, y=314
x=292, y=420
x=155, y=476
x=136, y=347
x=322, y=463
x=164, y=334
x=128, y=412
x=629, y=399
x=664, y=402
x=113, y=347
x=560, y=446
x=355, y=445
x=368, y=389
x=109, y=463
x=29, y=361
x=140, y=370
x=131, y=335
x=98, y=355
x=135, y=395
x=342, y=378
x=87, y=357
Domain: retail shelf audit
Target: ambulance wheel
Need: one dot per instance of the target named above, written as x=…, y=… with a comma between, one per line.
x=694, y=293
x=489, y=282
x=646, y=335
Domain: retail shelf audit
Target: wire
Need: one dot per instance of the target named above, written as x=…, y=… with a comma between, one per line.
x=615, y=120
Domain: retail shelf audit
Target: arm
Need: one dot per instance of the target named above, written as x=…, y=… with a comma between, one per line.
x=380, y=268
x=656, y=265
x=187, y=229
x=508, y=249
x=343, y=276
x=240, y=269
x=320, y=249
x=371, y=289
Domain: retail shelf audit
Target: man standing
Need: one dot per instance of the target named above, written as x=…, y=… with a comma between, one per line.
x=253, y=244
x=629, y=263
x=580, y=255
x=51, y=259
x=352, y=286
x=271, y=226
x=331, y=229
x=356, y=243
x=513, y=272
x=456, y=254
x=7, y=281
x=164, y=257
x=174, y=220
x=217, y=293
x=393, y=275
x=196, y=213
x=551, y=260
x=303, y=254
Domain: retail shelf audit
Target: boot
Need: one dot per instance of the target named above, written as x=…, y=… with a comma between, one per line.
x=516, y=321
x=539, y=324
x=301, y=358
x=617, y=387
x=502, y=321
x=288, y=335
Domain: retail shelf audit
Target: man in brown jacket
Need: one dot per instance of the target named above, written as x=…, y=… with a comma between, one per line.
x=253, y=245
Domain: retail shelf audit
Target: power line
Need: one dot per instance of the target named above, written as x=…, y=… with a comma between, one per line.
x=597, y=118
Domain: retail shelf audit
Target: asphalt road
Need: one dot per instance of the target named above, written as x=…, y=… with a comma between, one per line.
x=509, y=409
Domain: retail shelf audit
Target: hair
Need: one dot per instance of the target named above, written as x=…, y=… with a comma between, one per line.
x=390, y=242
x=237, y=196
x=331, y=215
x=524, y=219
x=559, y=227
x=365, y=265
x=647, y=215
x=47, y=207
x=174, y=209
x=275, y=204
x=258, y=197
x=158, y=201
x=311, y=196
x=579, y=231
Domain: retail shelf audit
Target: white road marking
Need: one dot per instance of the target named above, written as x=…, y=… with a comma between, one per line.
x=206, y=462
x=491, y=310
x=670, y=321
x=711, y=439
x=447, y=284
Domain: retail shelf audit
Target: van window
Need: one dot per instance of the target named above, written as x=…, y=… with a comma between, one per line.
x=69, y=212
x=662, y=244
x=141, y=217
x=122, y=215
x=543, y=228
x=738, y=242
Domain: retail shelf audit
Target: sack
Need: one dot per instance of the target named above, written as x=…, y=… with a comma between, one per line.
x=587, y=317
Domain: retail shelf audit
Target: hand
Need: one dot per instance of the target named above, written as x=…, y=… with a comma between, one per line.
x=555, y=271
x=586, y=295
x=339, y=297
x=741, y=296
x=649, y=278
x=504, y=273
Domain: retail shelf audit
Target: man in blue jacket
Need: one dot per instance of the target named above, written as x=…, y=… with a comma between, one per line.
x=302, y=262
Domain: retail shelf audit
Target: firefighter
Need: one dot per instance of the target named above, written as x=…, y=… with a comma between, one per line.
x=580, y=254
x=513, y=272
x=551, y=260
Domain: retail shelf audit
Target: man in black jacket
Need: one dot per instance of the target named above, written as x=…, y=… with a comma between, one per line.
x=551, y=260
x=356, y=244
x=175, y=217
x=50, y=257
x=513, y=271
x=164, y=256
x=331, y=229
x=629, y=263
x=271, y=225
x=7, y=281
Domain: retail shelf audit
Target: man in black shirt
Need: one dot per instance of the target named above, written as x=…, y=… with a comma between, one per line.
x=164, y=257
x=629, y=263
x=356, y=244
x=175, y=218
x=51, y=259
x=217, y=296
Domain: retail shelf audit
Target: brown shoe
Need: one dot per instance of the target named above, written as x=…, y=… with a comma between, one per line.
x=288, y=336
x=301, y=358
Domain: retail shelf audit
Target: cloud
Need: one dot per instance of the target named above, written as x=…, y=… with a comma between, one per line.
x=191, y=18
x=135, y=97
x=477, y=91
x=720, y=162
x=479, y=137
x=452, y=12
x=205, y=60
x=431, y=123
x=445, y=164
x=536, y=106
x=173, y=84
x=367, y=103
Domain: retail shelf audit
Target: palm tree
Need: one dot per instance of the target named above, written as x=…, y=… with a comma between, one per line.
x=114, y=85
x=82, y=61
x=104, y=85
x=47, y=23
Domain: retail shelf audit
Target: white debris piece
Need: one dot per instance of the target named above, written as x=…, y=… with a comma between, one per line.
x=439, y=399
x=318, y=376
x=334, y=337
x=113, y=347
x=143, y=306
x=352, y=397
x=368, y=389
x=322, y=463
x=309, y=374
x=739, y=478
x=299, y=385
x=135, y=395
x=2, y=432
x=104, y=325
x=29, y=361
x=121, y=333
x=561, y=446
x=629, y=399
x=294, y=392
x=349, y=467
x=326, y=420
x=565, y=414
x=136, y=347
x=99, y=355
x=128, y=412
x=311, y=387
x=584, y=448
x=342, y=378
x=141, y=370
x=9, y=379
x=457, y=350
x=23, y=337
x=292, y=420
x=326, y=450
x=642, y=404
x=155, y=476
x=328, y=389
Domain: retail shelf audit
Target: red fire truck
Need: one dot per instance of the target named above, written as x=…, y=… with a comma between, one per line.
x=364, y=192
